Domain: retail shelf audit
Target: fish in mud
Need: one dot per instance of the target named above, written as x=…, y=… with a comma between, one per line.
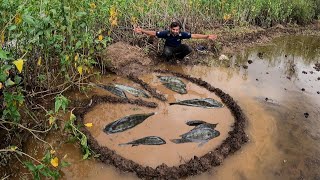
x=149, y=140
x=133, y=91
x=202, y=102
x=114, y=90
x=173, y=83
x=126, y=123
x=201, y=124
x=201, y=135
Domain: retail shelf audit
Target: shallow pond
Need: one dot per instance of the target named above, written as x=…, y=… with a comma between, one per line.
x=278, y=91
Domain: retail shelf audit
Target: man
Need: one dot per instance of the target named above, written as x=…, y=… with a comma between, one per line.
x=173, y=48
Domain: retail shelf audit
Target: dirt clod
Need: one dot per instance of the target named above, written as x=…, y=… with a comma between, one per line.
x=124, y=59
x=303, y=89
x=260, y=55
x=245, y=66
x=306, y=115
x=304, y=72
x=317, y=67
x=250, y=61
x=318, y=92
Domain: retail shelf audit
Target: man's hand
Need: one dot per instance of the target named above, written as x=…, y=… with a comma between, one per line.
x=137, y=29
x=212, y=37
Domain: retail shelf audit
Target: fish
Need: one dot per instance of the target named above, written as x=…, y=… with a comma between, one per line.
x=126, y=123
x=202, y=102
x=149, y=140
x=199, y=135
x=173, y=83
x=201, y=124
x=112, y=89
x=133, y=91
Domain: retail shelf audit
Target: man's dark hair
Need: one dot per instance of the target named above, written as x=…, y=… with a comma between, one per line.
x=175, y=24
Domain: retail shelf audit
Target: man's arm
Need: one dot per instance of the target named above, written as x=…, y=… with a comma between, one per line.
x=202, y=36
x=140, y=31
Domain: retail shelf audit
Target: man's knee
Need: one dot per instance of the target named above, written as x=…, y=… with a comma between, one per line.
x=167, y=52
x=186, y=49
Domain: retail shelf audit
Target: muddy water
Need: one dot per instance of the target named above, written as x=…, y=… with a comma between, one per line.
x=284, y=144
x=169, y=122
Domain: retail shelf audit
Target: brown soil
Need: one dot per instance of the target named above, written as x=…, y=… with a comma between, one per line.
x=197, y=165
x=125, y=59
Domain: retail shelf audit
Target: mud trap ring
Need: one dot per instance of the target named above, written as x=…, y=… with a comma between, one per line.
x=196, y=165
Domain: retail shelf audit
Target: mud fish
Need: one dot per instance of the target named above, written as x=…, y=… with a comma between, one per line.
x=149, y=140
x=202, y=102
x=114, y=90
x=173, y=83
x=126, y=123
x=133, y=91
x=201, y=124
x=201, y=135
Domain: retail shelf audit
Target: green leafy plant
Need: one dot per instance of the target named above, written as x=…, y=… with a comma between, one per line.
x=80, y=136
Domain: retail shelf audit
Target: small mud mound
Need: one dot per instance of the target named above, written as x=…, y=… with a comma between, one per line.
x=317, y=67
x=124, y=59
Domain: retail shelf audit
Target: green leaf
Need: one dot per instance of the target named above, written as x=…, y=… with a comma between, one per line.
x=28, y=19
x=65, y=164
x=9, y=82
x=87, y=154
x=61, y=102
x=13, y=27
x=84, y=141
x=46, y=159
x=3, y=54
x=78, y=44
x=17, y=79
x=57, y=105
x=30, y=166
x=80, y=14
x=40, y=166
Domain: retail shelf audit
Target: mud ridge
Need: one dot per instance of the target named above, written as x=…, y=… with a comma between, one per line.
x=146, y=86
x=196, y=165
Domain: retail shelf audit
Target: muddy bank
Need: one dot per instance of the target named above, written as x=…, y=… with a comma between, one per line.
x=236, y=138
x=232, y=40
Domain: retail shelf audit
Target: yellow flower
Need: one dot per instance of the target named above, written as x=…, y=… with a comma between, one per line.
x=100, y=37
x=133, y=20
x=114, y=22
x=52, y=120
x=39, y=61
x=80, y=68
x=113, y=12
x=67, y=58
x=2, y=38
x=88, y=124
x=226, y=17
x=55, y=162
x=1, y=85
x=76, y=57
x=19, y=64
x=93, y=5
x=13, y=148
x=18, y=19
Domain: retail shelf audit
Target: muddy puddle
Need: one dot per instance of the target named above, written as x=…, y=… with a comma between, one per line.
x=169, y=122
x=277, y=90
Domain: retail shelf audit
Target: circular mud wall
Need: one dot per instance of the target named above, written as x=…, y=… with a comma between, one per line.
x=196, y=165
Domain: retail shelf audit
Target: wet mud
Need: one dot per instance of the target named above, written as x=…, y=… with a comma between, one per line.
x=236, y=137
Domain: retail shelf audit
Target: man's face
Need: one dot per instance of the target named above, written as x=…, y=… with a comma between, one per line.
x=175, y=30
